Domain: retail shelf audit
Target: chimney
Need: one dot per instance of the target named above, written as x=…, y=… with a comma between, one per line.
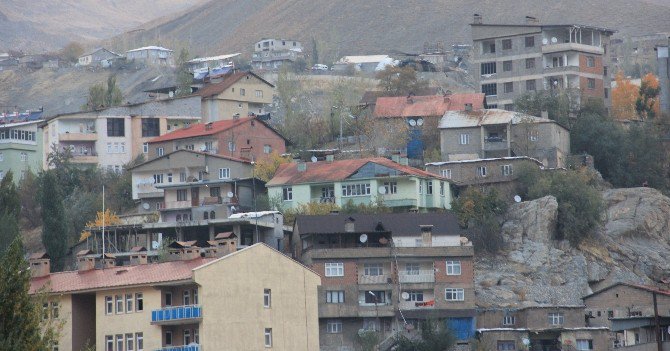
x=108, y=261
x=302, y=166
x=330, y=158
x=427, y=235
x=85, y=260
x=404, y=161
x=350, y=225
x=477, y=19
x=183, y=250
x=138, y=255
x=531, y=20
x=468, y=107
x=40, y=264
x=544, y=114
x=208, y=126
x=226, y=243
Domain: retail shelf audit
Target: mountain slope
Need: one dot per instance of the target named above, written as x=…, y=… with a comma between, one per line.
x=377, y=26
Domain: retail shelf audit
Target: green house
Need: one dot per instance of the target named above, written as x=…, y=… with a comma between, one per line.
x=20, y=148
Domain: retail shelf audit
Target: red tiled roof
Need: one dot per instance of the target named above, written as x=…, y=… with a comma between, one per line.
x=193, y=152
x=433, y=105
x=95, y=279
x=325, y=171
x=218, y=88
x=201, y=129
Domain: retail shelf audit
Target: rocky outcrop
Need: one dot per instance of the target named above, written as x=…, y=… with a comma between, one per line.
x=636, y=212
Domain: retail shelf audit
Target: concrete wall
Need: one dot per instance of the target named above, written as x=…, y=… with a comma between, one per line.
x=621, y=300
x=231, y=101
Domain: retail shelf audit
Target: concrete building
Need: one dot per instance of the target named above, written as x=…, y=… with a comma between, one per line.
x=211, y=66
x=636, y=55
x=97, y=57
x=151, y=56
x=366, y=181
x=252, y=299
x=246, y=137
x=364, y=63
x=20, y=149
x=469, y=135
x=387, y=272
x=239, y=94
x=115, y=136
x=514, y=59
x=663, y=75
x=271, y=54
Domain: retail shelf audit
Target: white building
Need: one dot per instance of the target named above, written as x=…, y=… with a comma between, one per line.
x=152, y=55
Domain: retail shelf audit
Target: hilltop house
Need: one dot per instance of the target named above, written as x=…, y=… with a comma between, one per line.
x=151, y=56
x=211, y=66
x=271, y=54
x=258, y=296
x=359, y=181
x=364, y=63
x=239, y=95
x=97, y=57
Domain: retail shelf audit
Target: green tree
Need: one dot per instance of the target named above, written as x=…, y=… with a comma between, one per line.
x=435, y=336
x=400, y=81
x=101, y=96
x=54, y=230
x=9, y=196
x=315, y=52
x=9, y=230
x=184, y=77
x=20, y=313
x=479, y=212
x=559, y=105
x=30, y=207
x=368, y=339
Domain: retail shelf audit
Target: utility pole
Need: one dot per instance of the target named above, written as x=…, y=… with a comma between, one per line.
x=657, y=323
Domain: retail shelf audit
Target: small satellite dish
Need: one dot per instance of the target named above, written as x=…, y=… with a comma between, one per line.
x=146, y=206
x=517, y=198
x=525, y=341
x=314, y=159
x=545, y=41
x=363, y=238
x=154, y=245
x=554, y=40
x=419, y=122
x=412, y=122
x=405, y=295
x=381, y=190
x=230, y=194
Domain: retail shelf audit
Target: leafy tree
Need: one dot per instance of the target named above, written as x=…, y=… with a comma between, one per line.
x=9, y=230
x=54, y=230
x=624, y=96
x=30, y=207
x=101, y=96
x=20, y=313
x=368, y=339
x=9, y=196
x=72, y=51
x=560, y=105
x=647, y=104
x=400, y=81
x=184, y=77
x=435, y=336
x=478, y=211
x=266, y=167
x=315, y=52
x=106, y=218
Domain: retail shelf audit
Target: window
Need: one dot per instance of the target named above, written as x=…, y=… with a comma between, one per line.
x=109, y=343
x=488, y=68
x=168, y=299
x=196, y=336
x=464, y=139
x=119, y=304
x=160, y=151
x=606, y=93
x=267, y=149
x=55, y=310
x=506, y=345
x=45, y=311
x=24, y=157
x=390, y=187
x=187, y=336
x=209, y=146
x=267, y=298
x=453, y=267
x=186, y=296
x=109, y=305
x=231, y=146
x=158, y=178
x=452, y=294
x=356, y=189
x=507, y=66
x=429, y=187
x=224, y=173
x=415, y=296
x=150, y=127
x=115, y=127
x=140, y=341
x=182, y=195
x=374, y=269
x=610, y=314
x=377, y=296
x=445, y=173
x=530, y=42
x=412, y=268
x=130, y=342
x=268, y=337
x=168, y=338
x=585, y=344
x=335, y=296
x=145, y=148
x=159, y=206
x=533, y=135
x=182, y=177
x=507, y=44
x=420, y=187
x=287, y=194
x=530, y=85
x=555, y=318
x=508, y=87
x=169, y=177
x=259, y=93
x=441, y=188
x=507, y=170
x=590, y=61
x=334, y=326
x=481, y=171
x=139, y=304
x=490, y=89
x=243, y=92
x=119, y=342
x=129, y=302
x=530, y=63
x=508, y=320
x=591, y=83
x=335, y=269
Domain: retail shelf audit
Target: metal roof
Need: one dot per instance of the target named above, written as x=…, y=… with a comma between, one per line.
x=477, y=118
x=214, y=58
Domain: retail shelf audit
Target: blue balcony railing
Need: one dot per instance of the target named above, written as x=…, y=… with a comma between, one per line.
x=176, y=313
x=181, y=348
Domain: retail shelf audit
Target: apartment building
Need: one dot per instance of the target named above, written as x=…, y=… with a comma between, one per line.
x=115, y=136
x=494, y=133
x=387, y=272
x=239, y=94
x=245, y=137
x=20, y=148
x=545, y=328
x=514, y=59
x=271, y=54
x=252, y=299
x=366, y=181
x=151, y=56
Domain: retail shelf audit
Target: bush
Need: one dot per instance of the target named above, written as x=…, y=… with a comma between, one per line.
x=479, y=211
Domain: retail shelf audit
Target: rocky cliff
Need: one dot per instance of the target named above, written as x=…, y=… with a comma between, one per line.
x=631, y=245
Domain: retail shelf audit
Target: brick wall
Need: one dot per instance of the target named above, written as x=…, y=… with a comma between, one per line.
x=622, y=300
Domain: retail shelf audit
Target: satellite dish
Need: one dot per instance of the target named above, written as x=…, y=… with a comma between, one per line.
x=525, y=341
x=146, y=206
x=419, y=122
x=230, y=194
x=545, y=41
x=554, y=40
x=381, y=190
x=405, y=295
x=314, y=159
x=154, y=245
x=517, y=198
x=412, y=122
x=363, y=238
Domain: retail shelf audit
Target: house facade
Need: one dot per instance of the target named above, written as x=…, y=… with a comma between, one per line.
x=514, y=59
x=364, y=63
x=184, y=304
x=96, y=57
x=366, y=181
x=239, y=94
x=271, y=54
x=20, y=149
x=494, y=133
x=387, y=273
x=245, y=137
x=151, y=56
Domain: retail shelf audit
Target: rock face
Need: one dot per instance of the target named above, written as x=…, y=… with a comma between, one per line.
x=534, y=269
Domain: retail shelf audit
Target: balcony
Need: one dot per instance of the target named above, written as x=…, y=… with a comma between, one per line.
x=495, y=144
x=78, y=136
x=561, y=69
x=192, y=347
x=423, y=276
x=324, y=200
x=399, y=202
x=171, y=315
x=374, y=279
x=560, y=47
x=91, y=157
x=172, y=205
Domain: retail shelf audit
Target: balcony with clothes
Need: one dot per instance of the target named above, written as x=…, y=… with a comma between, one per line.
x=375, y=303
x=573, y=38
x=417, y=300
x=323, y=193
x=77, y=130
x=82, y=152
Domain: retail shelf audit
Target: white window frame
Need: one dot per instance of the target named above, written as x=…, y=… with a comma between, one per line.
x=109, y=341
x=334, y=326
x=507, y=170
x=267, y=337
x=412, y=269
x=429, y=187
x=453, y=267
x=186, y=297
x=140, y=341
x=119, y=342
x=357, y=189
x=267, y=298
x=579, y=344
x=445, y=173
x=481, y=171
x=373, y=269
x=231, y=146
x=145, y=148
x=119, y=302
x=168, y=332
x=109, y=305
x=334, y=269
x=464, y=139
x=454, y=294
x=130, y=342
x=129, y=303
x=391, y=187
x=187, y=337
x=224, y=173
x=267, y=149
x=415, y=295
x=139, y=302
x=287, y=193
x=160, y=151
x=509, y=320
x=442, y=192
x=334, y=296
x=556, y=318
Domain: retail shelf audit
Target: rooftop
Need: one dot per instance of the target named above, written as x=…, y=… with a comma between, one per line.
x=543, y=26
x=482, y=117
x=214, y=58
x=477, y=160
x=192, y=152
x=218, y=88
x=201, y=129
x=363, y=59
x=399, y=224
x=431, y=105
x=150, y=48
x=648, y=288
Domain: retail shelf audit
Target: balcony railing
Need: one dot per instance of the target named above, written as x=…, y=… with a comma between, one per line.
x=374, y=279
x=176, y=314
x=168, y=205
x=323, y=200
x=423, y=276
x=193, y=347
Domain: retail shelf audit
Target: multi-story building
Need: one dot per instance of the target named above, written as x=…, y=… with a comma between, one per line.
x=359, y=181
x=187, y=185
x=252, y=299
x=514, y=59
x=239, y=94
x=386, y=273
x=115, y=136
x=151, y=56
x=271, y=54
x=494, y=133
x=20, y=148
x=545, y=328
x=245, y=137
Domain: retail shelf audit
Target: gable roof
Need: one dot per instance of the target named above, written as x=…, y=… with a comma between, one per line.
x=481, y=117
x=202, y=129
x=100, y=49
x=218, y=88
x=431, y=105
x=192, y=152
x=158, y=48
x=651, y=289
x=324, y=171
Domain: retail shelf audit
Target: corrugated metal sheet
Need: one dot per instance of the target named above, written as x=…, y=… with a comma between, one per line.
x=482, y=117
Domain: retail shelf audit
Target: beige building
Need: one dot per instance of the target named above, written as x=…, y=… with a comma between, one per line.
x=238, y=95
x=252, y=299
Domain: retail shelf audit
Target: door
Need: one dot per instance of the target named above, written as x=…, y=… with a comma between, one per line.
x=195, y=197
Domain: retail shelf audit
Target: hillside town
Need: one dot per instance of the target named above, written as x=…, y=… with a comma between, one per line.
x=504, y=193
